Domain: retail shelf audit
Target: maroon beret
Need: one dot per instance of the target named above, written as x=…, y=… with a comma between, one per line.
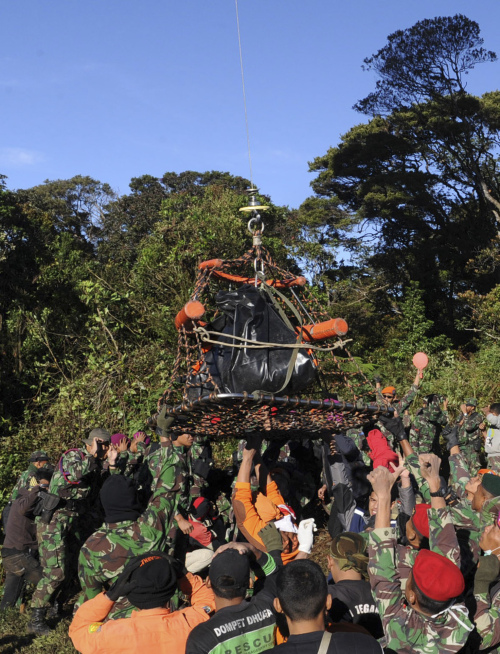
x=420, y=519
x=437, y=577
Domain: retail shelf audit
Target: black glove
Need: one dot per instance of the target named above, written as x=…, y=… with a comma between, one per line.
x=395, y=426
x=487, y=571
x=271, y=538
x=122, y=586
x=164, y=422
x=253, y=441
x=450, y=434
x=377, y=379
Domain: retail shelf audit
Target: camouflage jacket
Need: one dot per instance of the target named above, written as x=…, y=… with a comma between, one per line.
x=73, y=475
x=468, y=432
x=487, y=617
x=25, y=480
x=425, y=426
x=406, y=630
x=104, y=555
x=442, y=540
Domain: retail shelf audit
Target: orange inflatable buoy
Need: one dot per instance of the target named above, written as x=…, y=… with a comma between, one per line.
x=192, y=310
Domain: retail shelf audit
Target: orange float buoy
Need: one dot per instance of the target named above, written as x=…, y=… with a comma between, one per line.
x=324, y=330
x=192, y=310
x=212, y=263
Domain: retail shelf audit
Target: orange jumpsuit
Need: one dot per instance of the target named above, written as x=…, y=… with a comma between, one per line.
x=149, y=630
x=254, y=514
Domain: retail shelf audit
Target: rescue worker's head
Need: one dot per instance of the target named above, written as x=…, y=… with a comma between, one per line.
x=153, y=582
x=119, y=499
x=229, y=574
x=302, y=593
x=389, y=394
x=348, y=557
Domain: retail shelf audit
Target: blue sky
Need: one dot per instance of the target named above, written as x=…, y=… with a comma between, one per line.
x=117, y=88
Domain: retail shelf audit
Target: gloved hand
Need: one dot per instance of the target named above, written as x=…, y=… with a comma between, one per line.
x=122, y=586
x=377, y=379
x=487, y=571
x=253, y=441
x=306, y=535
x=450, y=434
x=271, y=538
x=164, y=422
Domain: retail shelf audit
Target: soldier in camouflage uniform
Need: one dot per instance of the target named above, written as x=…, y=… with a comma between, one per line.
x=487, y=588
x=70, y=485
x=106, y=552
x=387, y=396
x=415, y=621
x=425, y=428
x=37, y=460
x=469, y=434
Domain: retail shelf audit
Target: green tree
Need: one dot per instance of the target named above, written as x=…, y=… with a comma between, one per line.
x=421, y=177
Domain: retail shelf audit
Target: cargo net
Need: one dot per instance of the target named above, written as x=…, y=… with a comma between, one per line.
x=338, y=396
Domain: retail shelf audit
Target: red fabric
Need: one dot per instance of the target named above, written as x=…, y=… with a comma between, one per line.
x=437, y=577
x=380, y=452
x=420, y=519
x=200, y=533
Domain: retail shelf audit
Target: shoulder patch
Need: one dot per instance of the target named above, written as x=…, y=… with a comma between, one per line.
x=95, y=626
x=207, y=609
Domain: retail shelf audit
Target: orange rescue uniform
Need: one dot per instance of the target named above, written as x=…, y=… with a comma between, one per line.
x=149, y=630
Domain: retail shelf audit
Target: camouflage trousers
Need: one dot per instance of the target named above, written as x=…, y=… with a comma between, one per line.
x=52, y=539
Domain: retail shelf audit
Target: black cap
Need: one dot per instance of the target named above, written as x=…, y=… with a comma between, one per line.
x=230, y=569
x=154, y=582
x=119, y=499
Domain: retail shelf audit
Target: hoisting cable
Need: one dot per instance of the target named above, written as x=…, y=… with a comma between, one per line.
x=244, y=94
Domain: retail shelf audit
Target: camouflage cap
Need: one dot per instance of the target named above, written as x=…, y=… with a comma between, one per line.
x=99, y=433
x=470, y=401
x=349, y=550
x=39, y=455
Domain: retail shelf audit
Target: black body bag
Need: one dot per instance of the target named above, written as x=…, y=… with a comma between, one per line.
x=252, y=314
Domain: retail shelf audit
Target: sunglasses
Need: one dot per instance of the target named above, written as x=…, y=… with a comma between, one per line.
x=388, y=396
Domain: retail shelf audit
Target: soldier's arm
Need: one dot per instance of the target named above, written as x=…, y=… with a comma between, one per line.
x=385, y=581
x=442, y=535
x=76, y=467
x=413, y=465
x=487, y=619
x=444, y=418
x=472, y=423
x=407, y=399
x=459, y=473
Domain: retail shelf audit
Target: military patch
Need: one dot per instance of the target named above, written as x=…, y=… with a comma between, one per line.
x=95, y=626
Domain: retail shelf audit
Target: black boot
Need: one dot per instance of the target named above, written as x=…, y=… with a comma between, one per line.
x=54, y=611
x=37, y=624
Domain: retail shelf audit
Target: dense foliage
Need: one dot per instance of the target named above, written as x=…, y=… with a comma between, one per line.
x=400, y=238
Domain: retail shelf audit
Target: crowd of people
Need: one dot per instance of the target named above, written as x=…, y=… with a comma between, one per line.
x=163, y=548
